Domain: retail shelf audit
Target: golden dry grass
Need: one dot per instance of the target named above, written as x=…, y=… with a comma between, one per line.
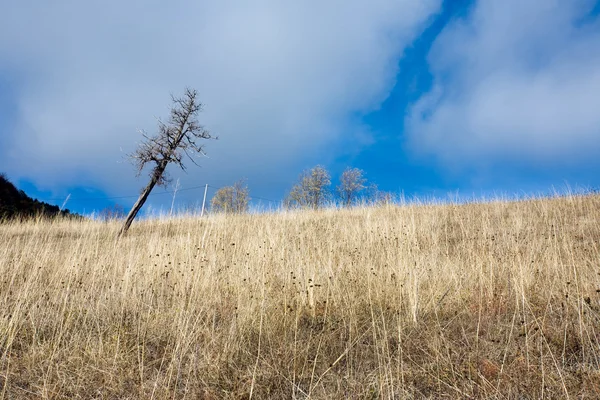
x=497, y=300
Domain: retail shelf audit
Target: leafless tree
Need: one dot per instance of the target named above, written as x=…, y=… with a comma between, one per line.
x=352, y=182
x=311, y=191
x=177, y=138
x=379, y=197
x=114, y=212
x=231, y=199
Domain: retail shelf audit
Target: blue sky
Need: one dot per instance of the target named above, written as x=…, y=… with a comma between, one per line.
x=428, y=97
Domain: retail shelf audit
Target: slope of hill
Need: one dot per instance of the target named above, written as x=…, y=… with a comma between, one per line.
x=15, y=203
x=476, y=301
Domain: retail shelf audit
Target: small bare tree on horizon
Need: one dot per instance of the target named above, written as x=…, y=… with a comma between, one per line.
x=378, y=197
x=352, y=183
x=231, y=199
x=113, y=212
x=312, y=190
x=176, y=139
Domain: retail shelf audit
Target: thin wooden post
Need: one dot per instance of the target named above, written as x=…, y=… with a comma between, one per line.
x=204, y=200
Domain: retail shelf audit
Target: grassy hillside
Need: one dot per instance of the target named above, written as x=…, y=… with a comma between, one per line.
x=498, y=300
x=15, y=203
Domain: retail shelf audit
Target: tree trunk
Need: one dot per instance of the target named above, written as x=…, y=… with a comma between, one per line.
x=141, y=200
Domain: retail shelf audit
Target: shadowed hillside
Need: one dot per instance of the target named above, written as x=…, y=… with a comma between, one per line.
x=14, y=203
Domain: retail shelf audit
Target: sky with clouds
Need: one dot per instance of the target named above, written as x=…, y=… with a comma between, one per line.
x=427, y=96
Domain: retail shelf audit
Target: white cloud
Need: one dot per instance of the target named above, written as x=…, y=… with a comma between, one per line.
x=514, y=80
x=279, y=79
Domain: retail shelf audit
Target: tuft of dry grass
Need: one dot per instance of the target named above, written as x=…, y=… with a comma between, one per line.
x=498, y=300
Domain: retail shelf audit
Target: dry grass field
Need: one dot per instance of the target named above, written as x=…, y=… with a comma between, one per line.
x=498, y=301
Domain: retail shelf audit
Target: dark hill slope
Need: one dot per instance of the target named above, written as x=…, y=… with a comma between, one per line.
x=15, y=203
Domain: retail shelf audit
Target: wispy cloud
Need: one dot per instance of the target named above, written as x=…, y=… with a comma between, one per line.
x=513, y=80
